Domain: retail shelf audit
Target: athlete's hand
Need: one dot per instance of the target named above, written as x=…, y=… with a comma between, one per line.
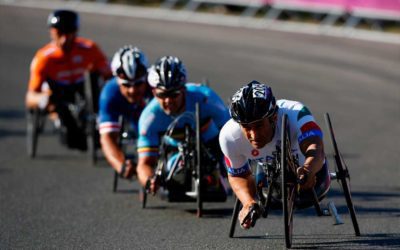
x=306, y=179
x=246, y=219
x=128, y=169
x=152, y=185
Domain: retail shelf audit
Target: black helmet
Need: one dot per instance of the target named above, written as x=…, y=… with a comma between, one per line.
x=129, y=63
x=66, y=21
x=252, y=103
x=167, y=73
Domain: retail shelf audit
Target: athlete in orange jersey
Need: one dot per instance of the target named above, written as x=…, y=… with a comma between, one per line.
x=57, y=70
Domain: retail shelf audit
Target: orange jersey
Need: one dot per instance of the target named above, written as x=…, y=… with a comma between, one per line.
x=52, y=64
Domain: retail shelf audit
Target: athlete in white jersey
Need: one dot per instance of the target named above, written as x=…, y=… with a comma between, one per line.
x=253, y=134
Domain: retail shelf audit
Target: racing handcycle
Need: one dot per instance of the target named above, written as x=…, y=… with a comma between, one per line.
x=277, y=186
x=185, y=165
x=80, y=106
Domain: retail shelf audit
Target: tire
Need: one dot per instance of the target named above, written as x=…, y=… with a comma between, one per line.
x=91, y=98
x=32, y=131
x=288, y=184
x=343, y=175
x=143, y=197
x=94, y=140
x=115, y=182
x=198, y=165
x=234, y=219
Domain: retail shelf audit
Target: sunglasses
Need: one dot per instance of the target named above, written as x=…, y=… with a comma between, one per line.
x=134, y=83
x=168, y=94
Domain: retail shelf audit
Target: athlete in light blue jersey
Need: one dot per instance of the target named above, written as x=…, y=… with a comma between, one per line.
x=154, y=121
x=125, y=95
x=173, y=96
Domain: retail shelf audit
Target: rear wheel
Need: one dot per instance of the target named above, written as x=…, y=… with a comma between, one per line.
x=343, y=175
x=288, y=182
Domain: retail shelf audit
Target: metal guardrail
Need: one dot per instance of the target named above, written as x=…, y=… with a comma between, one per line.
x=352, y=12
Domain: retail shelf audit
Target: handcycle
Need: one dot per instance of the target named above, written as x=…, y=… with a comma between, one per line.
x=185, y=180
x=80, y=106
x=278, y=186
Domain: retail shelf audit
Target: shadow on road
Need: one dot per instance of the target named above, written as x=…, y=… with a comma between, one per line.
x=368, y=241
x=213, y=212
x=12, y=114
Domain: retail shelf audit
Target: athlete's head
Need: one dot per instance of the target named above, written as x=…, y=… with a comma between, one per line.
x=254, y=108
x=168, y=77
x=129, y=66
x=63, y=25
x=66, y=21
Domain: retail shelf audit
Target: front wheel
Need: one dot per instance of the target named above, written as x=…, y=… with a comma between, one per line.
x=234, y=219
x=288, y=184
x=199, y=171
x=143, y=196
x=32, y=131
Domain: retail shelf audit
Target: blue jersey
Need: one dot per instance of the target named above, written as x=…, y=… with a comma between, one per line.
x=112, y=105
x=154, y=122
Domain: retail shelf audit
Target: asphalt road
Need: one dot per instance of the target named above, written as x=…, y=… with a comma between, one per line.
x=60, y=201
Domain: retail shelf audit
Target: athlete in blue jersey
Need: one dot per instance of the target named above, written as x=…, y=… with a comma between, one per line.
x=173, y=96
x=125, y=95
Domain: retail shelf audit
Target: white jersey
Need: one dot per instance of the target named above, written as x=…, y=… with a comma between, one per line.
x=239, y=152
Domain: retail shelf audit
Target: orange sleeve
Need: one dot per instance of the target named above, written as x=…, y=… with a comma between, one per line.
x=37, y=73
x=100, y=62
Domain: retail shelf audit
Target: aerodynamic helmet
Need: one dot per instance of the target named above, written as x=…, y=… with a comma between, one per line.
x=167, y=73
x=66, y=21
x=130, y=64
x=253, y=102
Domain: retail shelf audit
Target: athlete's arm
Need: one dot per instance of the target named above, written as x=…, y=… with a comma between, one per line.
x=101, y=64
x=145, y=169
x=239, y=172
x=313, y=150
x=244, y=188
x=114, y=154
x=34, y=97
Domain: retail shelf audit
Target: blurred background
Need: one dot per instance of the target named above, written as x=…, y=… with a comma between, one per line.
x=382, y=15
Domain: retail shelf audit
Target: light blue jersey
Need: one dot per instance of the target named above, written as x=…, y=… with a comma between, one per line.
x=153, y=121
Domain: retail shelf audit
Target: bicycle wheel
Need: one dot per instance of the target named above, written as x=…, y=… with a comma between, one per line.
x=288, y=182
x=115, y=181
x=32, y=131
x=91, y=98
x=235, y=215
x=342, y=175
x=143, y=196
x=94, y=139
x=198, y=164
